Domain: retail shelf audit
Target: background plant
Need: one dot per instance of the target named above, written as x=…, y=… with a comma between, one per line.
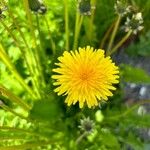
x=32, y=35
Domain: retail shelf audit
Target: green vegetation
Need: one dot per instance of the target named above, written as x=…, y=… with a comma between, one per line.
x=33, y=34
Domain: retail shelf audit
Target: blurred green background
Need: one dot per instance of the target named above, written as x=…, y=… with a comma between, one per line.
x=32, y=116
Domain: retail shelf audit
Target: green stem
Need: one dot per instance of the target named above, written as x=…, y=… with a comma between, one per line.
x=35, y=46
x=32, y=145
x=79, y=139
x=28, y=13
x=24, y=53
x=79, y=20
x=66, y=24
x=76, y=30
x=11, y=138
x=106, y=36
x=6, y=108
x=114, y=33
x=42, y=51
x=50, y=37
x=32, y=72
x=5, y=92
x=14, y=38
x=23, y=131
x=12, y=68
x=93, y=3
x=119, y=43
x=129, y=110
x=39, y=34
x=18, y=28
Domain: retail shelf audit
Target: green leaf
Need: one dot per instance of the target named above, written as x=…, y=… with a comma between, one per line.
x=45, y=110
x=136, y=75
x=137, y=120
x=134, y=142
x=142, y=47
x=113, y=143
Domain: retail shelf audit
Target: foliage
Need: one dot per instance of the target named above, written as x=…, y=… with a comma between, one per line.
x=142, y=47
x=32, y=116
x=139, y=76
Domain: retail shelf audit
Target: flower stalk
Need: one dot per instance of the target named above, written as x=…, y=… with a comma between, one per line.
x=42, y=52
x=119, y=43
x=83, y=135
x=91, y=20
x=106, y=36
x=66, y=24
x=79, y=20
x=53, y=46
x=114, y=33
x=34, y=45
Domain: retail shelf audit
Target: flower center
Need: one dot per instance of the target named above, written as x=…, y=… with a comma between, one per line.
x=84, y=76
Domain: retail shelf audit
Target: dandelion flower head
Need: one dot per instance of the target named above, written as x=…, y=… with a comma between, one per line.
x=85, y=76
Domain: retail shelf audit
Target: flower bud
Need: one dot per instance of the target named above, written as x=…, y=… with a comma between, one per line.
x=84, y=7
x=87, y=125
x=121, y=8
x=135, y=23
x=37, y=6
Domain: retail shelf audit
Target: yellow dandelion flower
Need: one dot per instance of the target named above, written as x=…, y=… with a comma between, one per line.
x=85, y=75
